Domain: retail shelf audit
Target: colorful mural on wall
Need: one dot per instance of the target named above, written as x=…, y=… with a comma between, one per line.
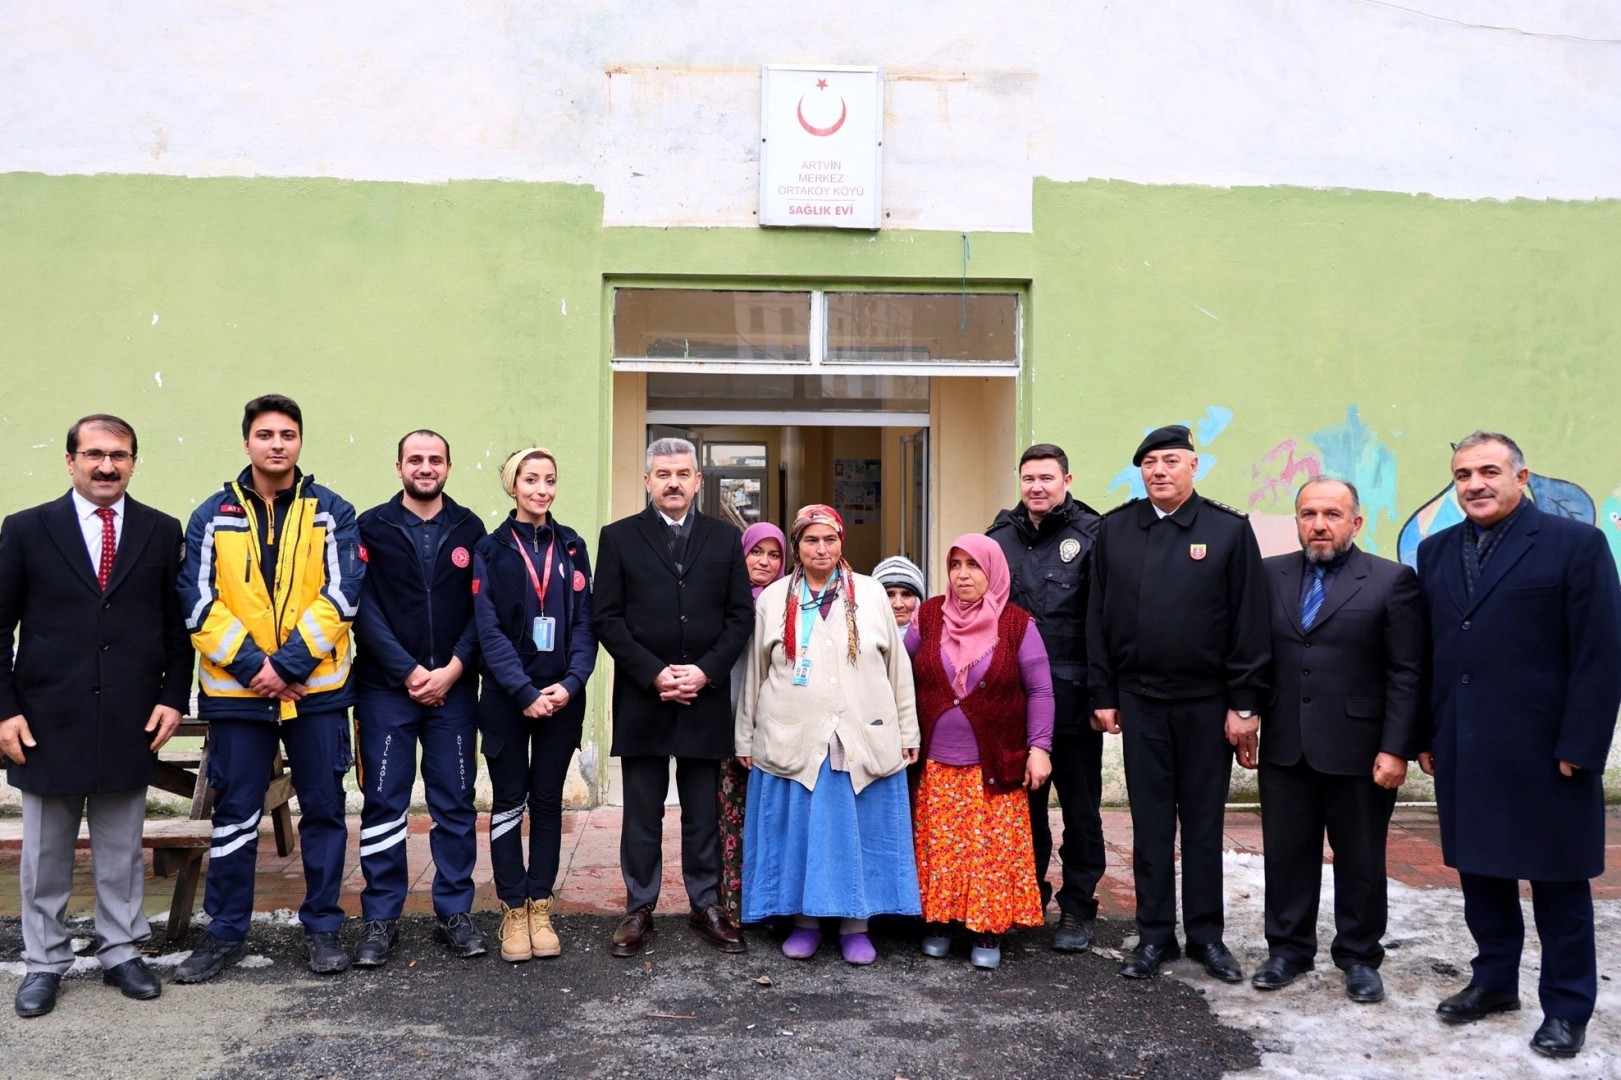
x=1351, y=449
x=1206, y=430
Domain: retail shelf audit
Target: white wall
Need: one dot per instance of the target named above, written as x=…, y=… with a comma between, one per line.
x=659, y=106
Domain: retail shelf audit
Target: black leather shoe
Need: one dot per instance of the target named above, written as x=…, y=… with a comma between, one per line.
x=459, y=933
x=1218, y=961
x=714, y=927
x=37, y=994
x=377, y=940
x=1473, y=1003
x=325, y=952
x=1558, y=1038
x=631, y=933
x=1363, y=984
x=1278, y=972
x=1145, y=960
x=134, y=978
x=1074, y=934
x=209, y=958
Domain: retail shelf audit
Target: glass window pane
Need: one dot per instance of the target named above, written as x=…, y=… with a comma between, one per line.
x=889, y=328
x=710, y=324
x=681, y=390
x=742, y=500
x=734, y=455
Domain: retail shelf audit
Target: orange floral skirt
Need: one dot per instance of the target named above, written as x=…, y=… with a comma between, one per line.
x=975, y=863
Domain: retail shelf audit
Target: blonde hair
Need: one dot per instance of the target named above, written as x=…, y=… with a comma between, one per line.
x=514, y=462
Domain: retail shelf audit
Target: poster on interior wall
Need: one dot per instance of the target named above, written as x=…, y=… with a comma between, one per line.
x=856, y=489
x=821, y=143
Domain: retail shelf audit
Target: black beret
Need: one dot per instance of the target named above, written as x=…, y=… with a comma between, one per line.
x=1169, y=437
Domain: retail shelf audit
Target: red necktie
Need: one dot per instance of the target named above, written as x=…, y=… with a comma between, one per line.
x=109, y=546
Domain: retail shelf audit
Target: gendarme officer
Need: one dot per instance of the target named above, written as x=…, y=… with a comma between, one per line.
x=1178, y=648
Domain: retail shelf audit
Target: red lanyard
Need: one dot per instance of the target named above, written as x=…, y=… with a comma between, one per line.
x=540, y=585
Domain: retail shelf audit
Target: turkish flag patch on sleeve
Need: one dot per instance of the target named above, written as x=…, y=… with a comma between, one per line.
x=361, y=550
x=475, y=586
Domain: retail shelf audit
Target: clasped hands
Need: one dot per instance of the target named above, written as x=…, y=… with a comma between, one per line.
x=680, y=683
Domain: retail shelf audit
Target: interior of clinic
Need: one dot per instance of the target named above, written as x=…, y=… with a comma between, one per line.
x=898, y=409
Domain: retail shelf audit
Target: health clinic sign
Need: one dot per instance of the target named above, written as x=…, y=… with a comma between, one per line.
x=821, y=143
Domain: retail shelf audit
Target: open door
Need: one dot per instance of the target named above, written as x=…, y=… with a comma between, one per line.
x=914, y=517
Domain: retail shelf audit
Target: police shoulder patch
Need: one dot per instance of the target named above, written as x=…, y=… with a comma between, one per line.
x=1233, y=510
x=1122, y=506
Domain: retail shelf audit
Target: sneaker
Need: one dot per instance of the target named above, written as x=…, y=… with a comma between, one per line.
x=377, y=940
x=325, y=952
x=543, y=940
x=516, y=946
x=987, y=952
x=459, y=932
x=1074, y=934
x=209, y=958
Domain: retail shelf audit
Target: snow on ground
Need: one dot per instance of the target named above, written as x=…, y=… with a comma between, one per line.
x=1311, y=1029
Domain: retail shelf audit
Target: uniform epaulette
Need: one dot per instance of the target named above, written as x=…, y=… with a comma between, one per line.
x=1233, y=510
x=1122, y=506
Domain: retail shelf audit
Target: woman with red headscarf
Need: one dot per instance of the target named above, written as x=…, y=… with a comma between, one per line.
x=765, y=550
x=827, y=722
x=985, y=705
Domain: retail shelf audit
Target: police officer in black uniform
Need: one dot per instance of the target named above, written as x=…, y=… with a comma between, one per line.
x=1178, y=651
x=1047, y=539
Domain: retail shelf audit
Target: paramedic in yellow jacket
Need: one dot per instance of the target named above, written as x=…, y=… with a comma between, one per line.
x=269, y=586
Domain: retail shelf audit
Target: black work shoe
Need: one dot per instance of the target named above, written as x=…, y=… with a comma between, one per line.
x=1474, y=1003
x=377, y=940
x=459, y=933
x=325, y=952
x=1558, y=1038
x=1278, y=972
x=1363, y=984
x=37, y=994
x=1074, y=934
x=1218, y=961
x=1145, y=960
x=134, y=978
x=209, y=958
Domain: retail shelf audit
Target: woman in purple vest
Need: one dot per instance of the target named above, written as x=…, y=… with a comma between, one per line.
x=985, y=705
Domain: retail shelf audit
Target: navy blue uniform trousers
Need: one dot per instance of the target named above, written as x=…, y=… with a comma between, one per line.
x=240, y=753
x=1563, y=911
x=389, y=726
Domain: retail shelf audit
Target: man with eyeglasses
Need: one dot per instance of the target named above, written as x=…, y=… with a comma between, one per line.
x=95, y=687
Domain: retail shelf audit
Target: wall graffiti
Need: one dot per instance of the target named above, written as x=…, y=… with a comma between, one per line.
x=1552, y=496
x=1351, y=449
x=1206, y=430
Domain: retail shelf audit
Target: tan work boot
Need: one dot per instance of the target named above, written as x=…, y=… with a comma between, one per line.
x=515, y=945
x=543, y=940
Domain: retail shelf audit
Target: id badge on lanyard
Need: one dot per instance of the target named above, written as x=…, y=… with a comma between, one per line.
x=811, y=609
x=544, y=632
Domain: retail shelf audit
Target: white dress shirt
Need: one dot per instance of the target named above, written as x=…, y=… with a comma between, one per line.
x=90, y=527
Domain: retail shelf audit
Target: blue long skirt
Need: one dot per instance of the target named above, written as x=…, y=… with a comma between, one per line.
x=828, y=852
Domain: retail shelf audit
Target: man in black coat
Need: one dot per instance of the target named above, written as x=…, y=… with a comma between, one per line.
x=1348, y=656
x=1047, y=540
x=1177, y=650
x=673, y=608
x=97, y=684
x=1525, y=627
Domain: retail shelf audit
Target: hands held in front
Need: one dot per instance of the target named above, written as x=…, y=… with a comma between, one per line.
x=1245, y=735
x=271, y=685
x=551, y=699
x=14, y=735
x=1107, y=720
x=1037, y=768
x=680, y=682
x=430, y=687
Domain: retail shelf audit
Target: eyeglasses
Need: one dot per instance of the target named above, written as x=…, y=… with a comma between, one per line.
x=117, y=457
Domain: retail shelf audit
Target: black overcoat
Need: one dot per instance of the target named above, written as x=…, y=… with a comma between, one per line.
x=649, y=616
x=89, y=665
x=1527, y=673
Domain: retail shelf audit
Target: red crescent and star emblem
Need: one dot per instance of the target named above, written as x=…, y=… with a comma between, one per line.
x=822, y=132
x=460, y=557
x=579, y=581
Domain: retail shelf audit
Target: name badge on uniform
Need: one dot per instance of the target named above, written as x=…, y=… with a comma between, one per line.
x=1196, y=552
x=802, y=671
x=545, y=633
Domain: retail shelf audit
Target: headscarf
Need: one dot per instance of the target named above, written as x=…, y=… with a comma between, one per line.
x=899, y=572
x=843, y=577
x=970, y=630
x=514, y=462
x=764, y=530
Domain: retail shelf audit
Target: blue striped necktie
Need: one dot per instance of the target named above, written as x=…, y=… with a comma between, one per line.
x=1314, y=599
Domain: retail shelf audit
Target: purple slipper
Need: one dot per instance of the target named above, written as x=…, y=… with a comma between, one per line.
x=802, y=943
x=857, y=948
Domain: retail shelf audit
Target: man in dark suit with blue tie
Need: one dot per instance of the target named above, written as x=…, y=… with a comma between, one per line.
x=97, y=684
x=1348, y=654
x=1525, y=617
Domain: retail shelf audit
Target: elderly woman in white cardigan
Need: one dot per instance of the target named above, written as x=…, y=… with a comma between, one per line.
x=827, y=724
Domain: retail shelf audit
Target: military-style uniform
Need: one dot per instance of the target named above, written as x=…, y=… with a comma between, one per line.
x=1177, y=634
x=1050, y=568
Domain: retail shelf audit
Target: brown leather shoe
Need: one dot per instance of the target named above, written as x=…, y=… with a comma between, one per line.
x=631, y=933
x=713, y=925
